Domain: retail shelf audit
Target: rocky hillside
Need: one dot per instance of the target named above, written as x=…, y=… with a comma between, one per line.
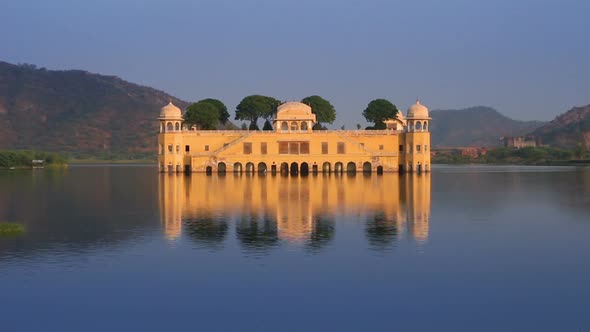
x=475, y=126
x=567, y=129
x=77, y=112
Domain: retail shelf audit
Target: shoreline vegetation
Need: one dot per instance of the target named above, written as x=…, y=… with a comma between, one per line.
x=93, y=161
x=28, y=159
x=541, y=156
x=534, y=156
x=8, y=228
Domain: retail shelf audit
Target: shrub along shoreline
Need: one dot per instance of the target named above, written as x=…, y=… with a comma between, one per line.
x=11, y=228
x=541, y=156
x=23, y=159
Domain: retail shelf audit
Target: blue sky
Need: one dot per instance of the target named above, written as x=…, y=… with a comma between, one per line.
x=528, y=59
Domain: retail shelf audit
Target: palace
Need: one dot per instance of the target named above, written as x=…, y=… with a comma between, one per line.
x=292, y=147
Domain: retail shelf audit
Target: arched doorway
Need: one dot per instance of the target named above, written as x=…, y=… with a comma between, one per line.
x=250, y=168
x=284, y=169
x=367, y=167
x=221, y=168
x=209, y=170
x=379, y=170
x=169, y=126
x=294, y=169
x=338, y=168
x=273, y=169
x=326, y=168
x=238, y=168
x=401, y=168
x=284, y=126
x=304, y=169
x=261, y=168
x=314, y=169
x=351, y=168
x=419, y=168
x=304, y=126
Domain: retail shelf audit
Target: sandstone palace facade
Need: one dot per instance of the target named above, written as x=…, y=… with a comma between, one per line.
x=292, y=147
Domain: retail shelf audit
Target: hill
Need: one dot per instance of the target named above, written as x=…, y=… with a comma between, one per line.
x=475, y=126
x=567, y=129
x=77, y=112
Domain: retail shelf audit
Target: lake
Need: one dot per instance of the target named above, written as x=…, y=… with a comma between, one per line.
x=465, y=248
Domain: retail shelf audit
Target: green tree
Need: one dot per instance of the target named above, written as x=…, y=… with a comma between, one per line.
x=580, y=151
x=267, y=125
x=223, y=113
x=202, y=114
x=378, y=111
x=324, y=111
x=251, y=108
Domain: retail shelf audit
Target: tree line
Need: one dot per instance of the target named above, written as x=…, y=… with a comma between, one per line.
x=24, y=158
x=209, y=114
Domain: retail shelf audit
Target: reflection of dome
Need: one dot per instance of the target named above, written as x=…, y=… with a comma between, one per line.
x=418, y=111
x=170, y=111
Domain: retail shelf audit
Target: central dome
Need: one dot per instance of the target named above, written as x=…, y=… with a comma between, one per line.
x=170, y=111
x=293, y=108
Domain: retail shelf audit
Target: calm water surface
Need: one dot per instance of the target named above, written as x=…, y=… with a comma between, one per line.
x=465, y=248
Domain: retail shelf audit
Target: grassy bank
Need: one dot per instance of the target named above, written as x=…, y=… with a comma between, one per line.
x=23, y=159
x=11, y=228
x=510, y=156
x=111, y=161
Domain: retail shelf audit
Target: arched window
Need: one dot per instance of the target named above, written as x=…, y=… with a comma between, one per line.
x=221, y=168
x=250, y=168
x=326, y=167
x=351, y=167
x=425, y=127
x=169, y=126
x=162, y=126
x=237, y=168
x=177, y=126
x=303, y=125
x=294, y=126
x=284, y=126
x=411, y=126
x=418, y=125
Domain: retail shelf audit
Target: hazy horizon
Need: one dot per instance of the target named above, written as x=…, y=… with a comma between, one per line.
x=527, y=59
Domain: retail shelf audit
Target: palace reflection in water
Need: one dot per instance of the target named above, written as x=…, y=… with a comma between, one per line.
x=268, y=210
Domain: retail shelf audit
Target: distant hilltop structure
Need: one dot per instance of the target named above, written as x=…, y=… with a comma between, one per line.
x=292, y=147
x=521, y=141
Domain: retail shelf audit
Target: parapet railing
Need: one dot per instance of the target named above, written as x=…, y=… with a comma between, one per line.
x=272, y=132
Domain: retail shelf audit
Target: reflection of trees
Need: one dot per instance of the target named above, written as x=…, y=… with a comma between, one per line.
x=381, y=232
x=206, y=231
x=322, y=233
x=257, y=234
